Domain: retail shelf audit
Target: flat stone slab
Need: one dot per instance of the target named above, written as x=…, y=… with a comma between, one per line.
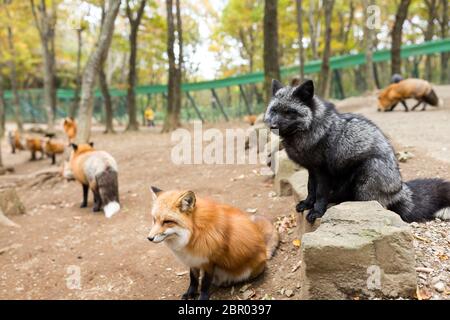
x=360, y=250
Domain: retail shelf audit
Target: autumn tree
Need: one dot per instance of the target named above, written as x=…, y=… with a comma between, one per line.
x=174, y=35
x=45, y=16
x=444, y=34
x=396, y=36
x=271, y=63
x=300, y=38
x=91, y=71
x=134, y=19
x=325, y=74
x=76, y=100
x=369, y=26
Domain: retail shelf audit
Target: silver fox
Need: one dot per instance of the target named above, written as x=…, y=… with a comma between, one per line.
x=348, y=158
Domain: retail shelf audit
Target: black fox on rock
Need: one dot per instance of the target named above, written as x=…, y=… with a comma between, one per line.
x=348, y=158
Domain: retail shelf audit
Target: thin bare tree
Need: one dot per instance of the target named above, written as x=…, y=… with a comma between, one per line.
x=300, y=38
x=135, y=21
x=76, y=99
x=325, y=74
x=445, y=56
x=369, y=46
x=432, y=6
x=91, y=71
x=271, y=59
x=172, y=118
x=396, y=34
x=13, y=79
x=45, y=21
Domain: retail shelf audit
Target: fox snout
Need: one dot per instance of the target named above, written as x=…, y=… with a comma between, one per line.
x=156, y=235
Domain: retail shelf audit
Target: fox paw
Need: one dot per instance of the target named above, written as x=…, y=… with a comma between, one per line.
x=189, y=295
x=96, y=209
x=203, y=296
x=303, y=205
x=83, y=205
x=313, y=215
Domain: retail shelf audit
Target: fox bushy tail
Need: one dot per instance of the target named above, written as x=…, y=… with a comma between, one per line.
x=423, y=200
x=271, y=236
x=108, y=187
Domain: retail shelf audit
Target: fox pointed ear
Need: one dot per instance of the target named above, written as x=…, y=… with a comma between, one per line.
x=186, y=202
x=276, y=85
x=305, y=91
x=155, y=192
x=74, y=146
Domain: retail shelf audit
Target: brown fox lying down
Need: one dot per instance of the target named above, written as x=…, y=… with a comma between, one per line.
x=418, y=89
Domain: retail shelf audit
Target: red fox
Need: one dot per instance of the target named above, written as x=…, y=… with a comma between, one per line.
x=250, y=119
x=225, y=243
x=70, y=128
x=34, y=145
x=95, y=170
x=418, y=89
x=52, y=148
x=15, y=141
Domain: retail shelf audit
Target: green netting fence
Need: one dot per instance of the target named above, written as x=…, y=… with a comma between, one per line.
x=236, y=96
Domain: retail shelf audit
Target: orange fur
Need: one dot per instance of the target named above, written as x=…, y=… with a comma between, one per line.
x=250, y=119
x=77, y=159
x=405, y=89
x=17, y=141
x=54, y=147
x=223, y=239
x=70, y=128
x=34, y=144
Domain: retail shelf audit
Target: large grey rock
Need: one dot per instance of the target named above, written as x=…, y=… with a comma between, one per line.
x=284, y=169
x=10, y=203
x=360, y=249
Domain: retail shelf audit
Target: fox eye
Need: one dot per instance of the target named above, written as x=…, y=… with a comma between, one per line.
x=169, y=222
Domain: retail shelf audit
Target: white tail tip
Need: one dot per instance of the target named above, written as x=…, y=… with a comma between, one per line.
x=443, y=214
x=111, y=209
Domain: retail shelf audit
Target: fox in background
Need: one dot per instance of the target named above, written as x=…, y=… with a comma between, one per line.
x=348, y=158
x=70, y=128
x=95, y=170
x=223, y=242
x=400, y=90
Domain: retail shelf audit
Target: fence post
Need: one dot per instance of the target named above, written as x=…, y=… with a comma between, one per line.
x=216, y=98
x=244, y=97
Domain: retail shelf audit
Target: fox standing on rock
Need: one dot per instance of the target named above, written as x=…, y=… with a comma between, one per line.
x=348, y=158
x=95, y=170
x=225, y=243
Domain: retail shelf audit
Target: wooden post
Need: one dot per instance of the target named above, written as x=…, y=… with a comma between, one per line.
x=216, y=98
x=244, y=97
x=339, y=87
x=199, y=114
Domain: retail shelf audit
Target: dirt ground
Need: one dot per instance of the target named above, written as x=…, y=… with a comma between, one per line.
x=114, y=257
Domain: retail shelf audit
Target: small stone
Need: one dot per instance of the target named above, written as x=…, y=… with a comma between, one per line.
x=289, y=293
x=439, y=287
x=251, y=210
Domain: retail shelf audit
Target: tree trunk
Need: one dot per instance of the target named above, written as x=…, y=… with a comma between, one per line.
x=76, y=99
x=428, y=36
x=325, y=74
x=300, y=39
x=2, y=110
x=172, y=119
x=444, y=34
x=271, y=62
x=91, y=71
x=45, y=22
x=312, y=29
x=13, y=79
x=368, y=41
x=131, y=95
x=396, y=34
x=109, y=116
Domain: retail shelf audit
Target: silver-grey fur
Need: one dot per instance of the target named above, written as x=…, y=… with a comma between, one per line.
x=347, y=156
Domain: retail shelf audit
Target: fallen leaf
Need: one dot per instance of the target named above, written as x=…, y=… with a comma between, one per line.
x=180, y=274
x=297, y=242
x=248, y=294
x=251, y=210
x=423, y=293
x=245, y=287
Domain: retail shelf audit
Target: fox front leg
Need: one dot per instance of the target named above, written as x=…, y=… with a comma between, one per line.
x=192, y=291
x=206, y=284
x=416, y=105
x=322, y=198
x=85, y=196
x=308, y=203
x=405, y=105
